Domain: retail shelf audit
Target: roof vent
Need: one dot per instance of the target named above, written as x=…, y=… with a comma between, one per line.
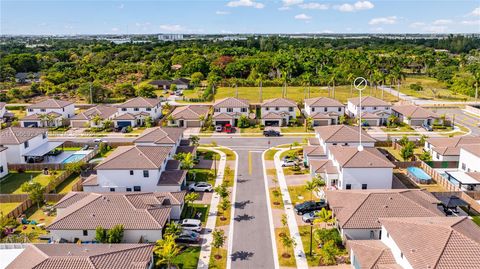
x=390, y=198
x=93, y=215
x=413, y=250
x=69, y=253
x=385, y=206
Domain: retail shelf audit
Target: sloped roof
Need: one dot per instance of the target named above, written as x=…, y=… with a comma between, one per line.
x=313, y=141
x=159, y=135
x=473, y=149
x=350, y=157
x=103, y=111
x=172, y=177
x=141, y=102
x=323, y=166
x=313, y=150
x=371, y=253
x=415, y=112
x=368, y=101
x=436, y=242
x=18, y=135
x=320, y=116
x=51, y=103
x=231, y=102
x=135, y=157
x=280, y=102
x=125, y=116
x=91, y=256
x=450, y=146
x=190, y=112
x=342, y=134
x=323, y=102
x=2, y=105
x=362, y=209
x=272, y=116
x=223, y=116
x=38, y=116
x=368, y=115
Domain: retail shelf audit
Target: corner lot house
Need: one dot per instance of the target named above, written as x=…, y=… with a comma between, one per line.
x=188, y=116
x=448, y=148
x=415, y=115
x=49, y=113
x=3, y=162
x=323, y=110
x=357, y=212
x=342, y=135
x=134, y=112
x=229, y=110
x=143, y=215
x=371, y=105
x=93, y=256
x=420, y=242
x=94, y=117
x=278, y=111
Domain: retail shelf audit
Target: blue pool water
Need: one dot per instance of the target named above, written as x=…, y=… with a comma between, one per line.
x=73, y=158
x=419, y=173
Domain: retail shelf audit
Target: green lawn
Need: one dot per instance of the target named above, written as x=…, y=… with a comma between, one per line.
x=298, y=194
x=230, y=154
x=313, y=260
x=270, y=154
x=5, y=208
x=189, y=213
x=276, y=198
x=396, y=152
x=286, y=256
x=401, y=128
x=39, y=217
x=200, y=174
x=251, y=129
x=295, y=129
x=66, y=186
x=223, y=218
x=13, y=181
x=442, y=93
x=188, y=258
x=290, y=151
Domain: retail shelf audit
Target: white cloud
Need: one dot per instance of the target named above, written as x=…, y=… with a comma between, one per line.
x=417, y=24
x=172, y=27
x=442, y=22
x=384, y=20
x=142, y=24
x=115, y=29
x=283, y=8
x=221, y=12
x=245, y=3
x=313, y=5
x=302, y=16
x=121, y=6
x=360, y=5
x=472, y=22
x=475, y=12
x=291, y=2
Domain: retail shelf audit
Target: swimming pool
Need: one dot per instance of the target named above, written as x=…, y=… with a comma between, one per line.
x=418, y=174
x=74, y=158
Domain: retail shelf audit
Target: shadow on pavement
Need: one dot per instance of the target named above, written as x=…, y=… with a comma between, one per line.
x=241, y=255
x=242, y=204
x=243, y=217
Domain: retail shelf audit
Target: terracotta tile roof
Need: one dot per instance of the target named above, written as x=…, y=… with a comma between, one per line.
x=140, y=102
x=453, y=242
x=272, y=116
x=18, y=135
x=125, y=116
x=135, y=157
x=320, y=116
x=313, y=151
x=350, y=157
x=450, y=146
x=474, y=149
x=91, y=256
x=37, y=116
x=71, y=198
x=312, y=141
x=415, y=112
x=172, y=177
x=368, y=115
x=104, y=111
x=2, y=105
x=323, y=102
x=369, y=101
x=342, y=134
x=369, y=254
x=135, y=211
x=160, y=135
x=90, y=181
x=231, y=102
x=51, y=103
x=447, y=151
x=323, y=166
x=224, y=116
x=362, y=209
x=172, y=165
x=279, y=102
x=190, y=112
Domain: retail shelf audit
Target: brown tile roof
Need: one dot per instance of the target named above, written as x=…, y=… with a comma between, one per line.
x=135, y=211
x=2, y=105
x=172, y=165
x=447, y=151
x=369, y=254
x=342, y=134
x=18, y=135
x=186, y=149
x=323, y=166
x=450, y=146
x=224, y=116
x=272, y=116
x=104, y=111
x=280, y=102
x=90, y=181
x=350, y=157
x=368, y=101
x=71, y=198
x=313, y=141
x=140, y=102
x=51, y=103
x=368, y=115
x=37, y=116
x=172, y=177
x=313, y=151
x=160, y=135
x=91, y=256
x=190, y=112
x=125, y=116
x=473, y=149
x=415, y=112
x=320, y=116
x=361, y=209
x=323, y=102
x=436, y=242
x=231, y=102
x=136, y=157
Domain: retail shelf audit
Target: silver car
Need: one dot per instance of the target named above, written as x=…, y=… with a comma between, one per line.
x=310, y=216
x=200, y=186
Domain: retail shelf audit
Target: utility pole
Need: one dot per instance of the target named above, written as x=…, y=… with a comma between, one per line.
x=261, y=97
x=91, y=94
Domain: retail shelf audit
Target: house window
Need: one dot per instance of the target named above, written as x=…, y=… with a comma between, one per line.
x=325, y=109
x=364, y=186
x=363, y=108
x=85, y=232
x=145, y=173
x=112, y=189
x=463, y=166
x=374, y=108
x=217, y=109
x=313, y=109
x=345, y=144
x=348, y=186
x=388, y=235
x=30, y=110
x=129, y=189
x=401, y=255
x=334, y=144
x=339, y=109
x=372, y=234
x=43, y=110
x=124, y=109
x=25, y=144
x=137, y=188
x=135, y=109
x=229, y=109
x=149, y=109
x=267, y=108
x=277, y=108
x=131, y=172
x=244, y=109
x=438, y=156
x=1, y=169
x=63, y=109
x=290, y=109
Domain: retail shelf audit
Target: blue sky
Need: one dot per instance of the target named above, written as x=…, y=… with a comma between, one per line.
x=239, y=16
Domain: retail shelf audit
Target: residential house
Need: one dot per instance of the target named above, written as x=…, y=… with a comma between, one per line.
x=324, y=110
x=188, y=116
x=160, y=136
x=48, y=113
x=278, y=111
x=26, y=144
x=3, y=162
x=448, y=148
x=92, y=256
x=360, y=169
x=469, y=160
x=420, y=242
x=94, y=117
x=357, y=212
x=135, y=111
x=467, y=177
x=371, y=105
x=415, y=115
x=24, y=77
x=143, y=215
x=229, y=110
x=181, y=83
x=342, y=135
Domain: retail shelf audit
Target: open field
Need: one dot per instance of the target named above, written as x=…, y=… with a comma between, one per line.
x=442, y=93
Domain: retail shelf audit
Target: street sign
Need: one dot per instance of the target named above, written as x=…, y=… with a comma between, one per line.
x=360, y=83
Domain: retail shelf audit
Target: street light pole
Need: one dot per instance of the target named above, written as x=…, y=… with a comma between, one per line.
x=311, y=237
x=360, y=84
x=215, y=164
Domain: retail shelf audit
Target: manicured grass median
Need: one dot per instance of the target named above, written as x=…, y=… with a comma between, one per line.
x=218, y=263
x=286, y=256
x=270, y=154
x=13, y=181
x=276, y=198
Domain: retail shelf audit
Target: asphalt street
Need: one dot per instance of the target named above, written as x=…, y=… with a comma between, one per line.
x=467, y=120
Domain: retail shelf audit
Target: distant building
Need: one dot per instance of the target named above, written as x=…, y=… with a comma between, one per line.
x=188, y=116
x=48, y=113
x=170, y=37
x=229, y=110
x=324, y=110
x=25, y=77
x=181, y=83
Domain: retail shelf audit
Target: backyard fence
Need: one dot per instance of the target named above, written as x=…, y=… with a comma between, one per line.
x=53, y=197
x=404, y=165
x=18, y=211
x=13, y=198
x=437, y=177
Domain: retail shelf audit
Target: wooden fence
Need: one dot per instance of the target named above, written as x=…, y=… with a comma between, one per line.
x=17, y=211
x=13, y=198
x=404, y=165
x=438, y=178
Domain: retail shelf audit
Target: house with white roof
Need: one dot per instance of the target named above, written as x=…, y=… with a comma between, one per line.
x=3, y=162
x=370, y=105
x=48, y=113
x=135, y=111
x=415, y=115
x=448, y=148
x=188, y=116
x=278, y=111
x=324, y=110
x=94, y=117
x=229, y=110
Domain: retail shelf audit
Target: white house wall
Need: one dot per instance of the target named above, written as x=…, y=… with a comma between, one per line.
x=468, y=162
x=129, y=236
x=397, y=253
x=3, y=163
x=375, y=178
x=66, y=112
x=154, y=113
x=15, y=152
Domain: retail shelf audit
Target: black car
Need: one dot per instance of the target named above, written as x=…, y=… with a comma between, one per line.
x=309, y=206
x=188, y=237
x=271, y=133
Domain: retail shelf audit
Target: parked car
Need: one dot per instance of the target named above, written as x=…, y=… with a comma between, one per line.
x=309, y=206
x=192, y=225
x=218, y=128
x=427, y=127
x=289, y=162
x=85, y=147
x=271, y=133
x=99, y=140
x=200, y=186
x=310, y=216
x=189, y=237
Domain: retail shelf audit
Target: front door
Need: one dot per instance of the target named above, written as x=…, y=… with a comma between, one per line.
x=180, y=123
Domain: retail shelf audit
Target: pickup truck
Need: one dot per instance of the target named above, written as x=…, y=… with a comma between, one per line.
x=309, y=206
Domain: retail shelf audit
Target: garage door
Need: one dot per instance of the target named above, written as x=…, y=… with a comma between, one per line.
x=192, y=123
x=416, y=122
x=370, y=122
x=122, y=124
x=78, y=124
x=320, y=122
x=30, y=124
x=271, y=123
x=222, y=122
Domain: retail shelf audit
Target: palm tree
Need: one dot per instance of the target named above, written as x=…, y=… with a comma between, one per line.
x=323, y=216
x=166, y=250
x=190, y=198
x=313, y=185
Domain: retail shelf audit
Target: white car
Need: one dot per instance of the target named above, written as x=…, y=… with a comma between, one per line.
x=200, y=186
x=99, y=140
x=218, y=128
x=192, y=225
x=310, y=216
x=289, y=162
